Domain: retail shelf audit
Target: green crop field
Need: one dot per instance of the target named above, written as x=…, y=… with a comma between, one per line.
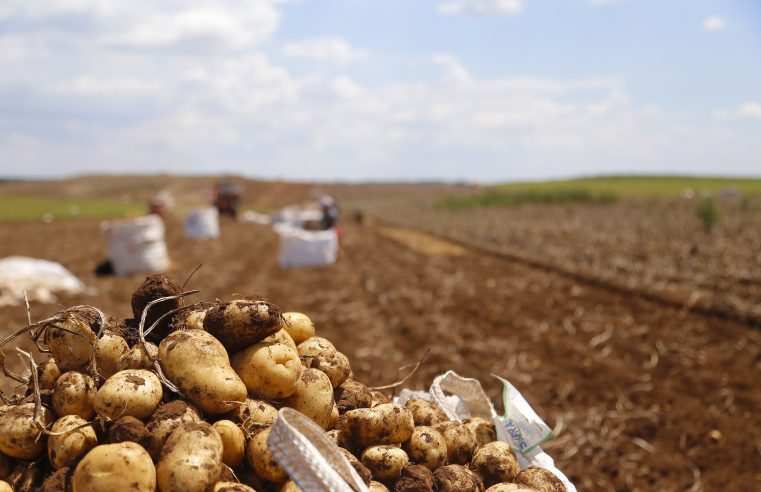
x=33, y=207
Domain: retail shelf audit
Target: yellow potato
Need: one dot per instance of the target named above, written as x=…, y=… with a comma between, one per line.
x=64, y=450
x=298, y=326
x=241, y=323
x=70, y=337
x=377, y=487
x=74, y=394
x=425, y=412
x=232, y=487
x=165, y=420
x=461, y=443
x=125, y=466
x=269, y=370
x=197, y=362
x=509, y=487
x=482, y=429
x=138, y=357
x=233, y=442
x=313, y=397
x=314, y=346
x=48, y=374
x=133, y=392
x=495, y=462
x=388, y=423
x=427, y=447
x=262, y=461
x=5, y=486
x=109, y=349
x=385, y=461
x=191, y=459
x=19, y=436
x=539, y=479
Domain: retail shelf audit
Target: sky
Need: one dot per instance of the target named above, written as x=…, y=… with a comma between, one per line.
x=476, y=90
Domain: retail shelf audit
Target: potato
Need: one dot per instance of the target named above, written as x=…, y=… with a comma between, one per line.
x=298, y=326
x=125, y=466
x=109, y=350
x=509, y=487
x=64, y=450
x=233, y=442
x=269, y=370
x=456, y=478
x=495, y=462
x=58, y=481
x=425, y=412
x=289, y=486
x=378, y=398
x=351, y=395
x=315, y=346
x=482, y=429
x=282, y=336
x=253, y=412
x=232, y=487
x=164, y=421
x=262, y=461
x=134, y=392
x=155, y=287
x=191, y=318
x=241, y=323
x=128, y=429
x=47, y=374
x=539, y=479
x=313, y=397
x=389, y=423
x=364, y=473
x=5, y=486
x=74, y=394
x=191, y=459
x=334, y=364
x=71, y=337
x=19, y=437
x=137, y=358
x=414, y=478
x=341, y=440
x=461, y=443
x=385, y=461
x=427, y=447
x=377, y=487
x=198, y=363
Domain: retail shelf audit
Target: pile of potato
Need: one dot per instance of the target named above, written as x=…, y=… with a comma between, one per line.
x=182, y=398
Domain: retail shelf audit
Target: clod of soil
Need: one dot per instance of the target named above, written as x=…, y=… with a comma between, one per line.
x=128, y=429
x=415, y=478
x=155, y=287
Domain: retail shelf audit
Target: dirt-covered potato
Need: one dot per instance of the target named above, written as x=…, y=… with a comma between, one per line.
x=461, y=443
x=133, y=392
x=269, y=370
x=482, y=429
x=191, y=459
x=71, y=336
x=253, y=413
x=58, y=481
x=414, y=478
x=509, y=487
x=109, y=350
x=495, y=462
x=351, y=395
x=427, y=447
x=363, y=472
x=191, y=317
x=334, y=364
x=19, y=437
x=262, y=461
x=198, y=363
x=65, y=449
x=74, y=394
x=232, y=487
x=128, y=429
x=155, y=287
x=425, y=412
x=47, y=374
x=385, y=461
x=313, y=397
x=164, y=421
x=298, y=326
x=314, y=346
x=138, y=357
x=456, y=478
x=115, y=467
x=241, y=323
x=539, y=479
x=389, y=423
x=377, y=487
x=233, y=442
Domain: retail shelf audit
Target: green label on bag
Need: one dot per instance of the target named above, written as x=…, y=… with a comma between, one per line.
x=523, y=426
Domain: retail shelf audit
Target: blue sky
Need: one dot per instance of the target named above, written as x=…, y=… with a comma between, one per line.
x=485, y=90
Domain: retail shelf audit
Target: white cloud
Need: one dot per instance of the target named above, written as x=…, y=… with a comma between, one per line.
x=327, y=49
x=714, y=23
x=748, y=109
x=602, y=2
x=480, y=7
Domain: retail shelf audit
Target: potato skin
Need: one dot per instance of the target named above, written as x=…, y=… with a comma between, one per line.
x=388, y=423
x=115, y=468
x=313, y=397
x=425, y=412
x=136, y=357
x=198, y=363
x=241, y=323
x=109, y=349
x=133, y=392
x=269, y=370
x=72, y=345
x=164, y=421
x=377, y=487
x=253, y=412
x=427, y=447
x=233, y=442
x=191, y=459
x=66, y=449
x=482, y=429
x=314, y=346
x=262, y=461
x=299, y=326
x=334, y=364
x=456, y=478
x=461, y=443
x=19, y=437
x=539, y=479
x=74, y=394
x=509, y=487
x=495, y=462
x=351, y=395
x=232, y=487
x=48, y=374
x=384, y=461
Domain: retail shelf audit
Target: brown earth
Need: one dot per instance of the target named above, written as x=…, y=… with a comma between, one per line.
x=642, y=396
